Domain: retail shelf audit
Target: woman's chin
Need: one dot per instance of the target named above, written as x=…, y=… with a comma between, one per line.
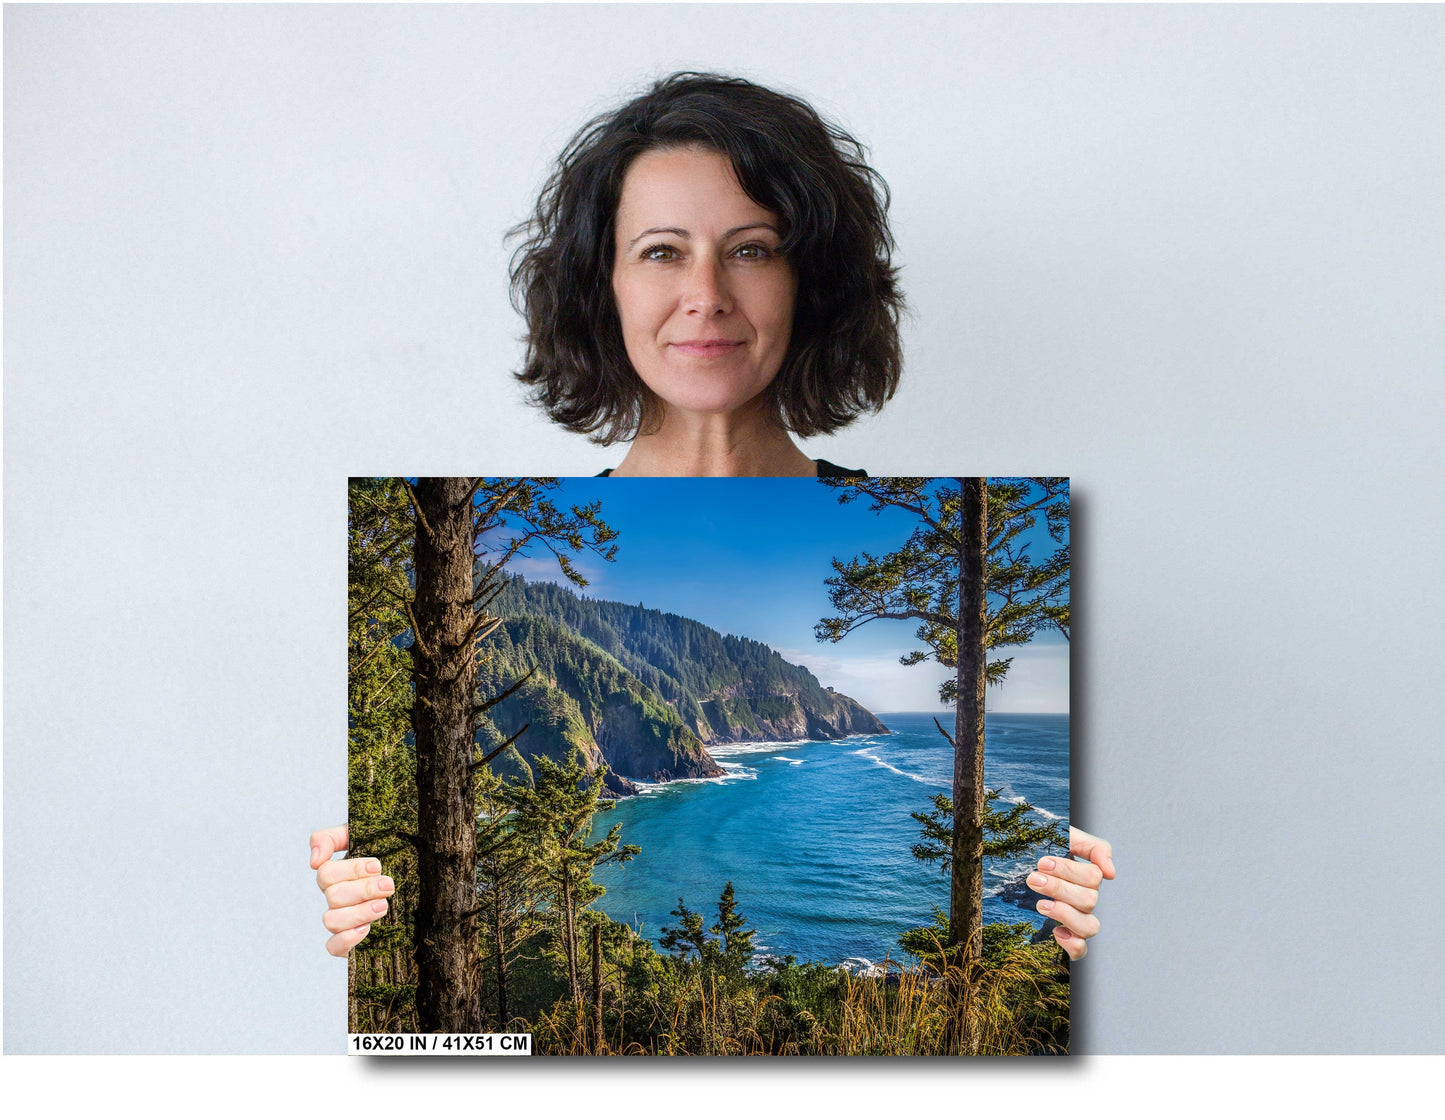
x=700, y=401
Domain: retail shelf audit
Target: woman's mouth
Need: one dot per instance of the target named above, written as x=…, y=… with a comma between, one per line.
x=706, y=348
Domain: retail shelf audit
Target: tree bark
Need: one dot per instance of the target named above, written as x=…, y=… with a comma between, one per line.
x=574, y=986
x=597, y=989
x=447, y=950
x=501, y=956
x=965, y=900
x=353, y=1011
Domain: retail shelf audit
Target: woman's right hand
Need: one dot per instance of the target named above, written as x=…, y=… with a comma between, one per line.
x=355, y=890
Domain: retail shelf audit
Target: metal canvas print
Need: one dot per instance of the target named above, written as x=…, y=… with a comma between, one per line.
x=714, y=766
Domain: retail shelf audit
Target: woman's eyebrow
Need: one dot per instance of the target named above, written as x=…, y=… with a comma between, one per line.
x=682, y=233
x=752, y=225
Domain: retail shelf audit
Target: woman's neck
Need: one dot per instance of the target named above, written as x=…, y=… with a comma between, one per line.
x=746, y=442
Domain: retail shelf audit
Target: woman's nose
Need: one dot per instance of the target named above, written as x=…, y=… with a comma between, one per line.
x=707, y=290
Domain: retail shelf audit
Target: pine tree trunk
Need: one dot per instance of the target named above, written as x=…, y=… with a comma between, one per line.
x=597, y=989
x=501, y=958
x=965, y=901
x=574, y=986
x=353, y=1011
x=445, y=933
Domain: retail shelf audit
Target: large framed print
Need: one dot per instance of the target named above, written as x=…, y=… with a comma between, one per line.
x=723, y=766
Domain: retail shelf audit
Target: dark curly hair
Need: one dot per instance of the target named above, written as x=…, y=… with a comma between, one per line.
x=844, y=355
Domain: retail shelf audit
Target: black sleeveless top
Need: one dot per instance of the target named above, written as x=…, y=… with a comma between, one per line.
x=825, y=470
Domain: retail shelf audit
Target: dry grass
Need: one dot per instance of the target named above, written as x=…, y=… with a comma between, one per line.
x=1016, y=1005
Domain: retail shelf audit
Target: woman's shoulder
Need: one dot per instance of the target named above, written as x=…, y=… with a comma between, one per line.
x=825, y=470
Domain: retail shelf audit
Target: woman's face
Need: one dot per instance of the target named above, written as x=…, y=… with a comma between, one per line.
x=705, y=300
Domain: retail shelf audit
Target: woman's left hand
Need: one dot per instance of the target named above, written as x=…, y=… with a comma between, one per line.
x=1073, y=890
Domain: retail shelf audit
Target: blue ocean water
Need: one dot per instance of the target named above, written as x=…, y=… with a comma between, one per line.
x=815, y=836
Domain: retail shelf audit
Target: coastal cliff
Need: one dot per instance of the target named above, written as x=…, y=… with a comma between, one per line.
x=642, y=690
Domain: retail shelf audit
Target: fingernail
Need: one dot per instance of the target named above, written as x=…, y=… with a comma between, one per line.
x=379, y=906
x=1111, y=865
x=387, y=884
x=1046, y=904
x=314, y=853
x=373, y=866
x=1046, y=864
x=1037, y=881
x=1061, y=933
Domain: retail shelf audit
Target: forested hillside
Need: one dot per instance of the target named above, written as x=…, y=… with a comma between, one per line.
x=644, y=690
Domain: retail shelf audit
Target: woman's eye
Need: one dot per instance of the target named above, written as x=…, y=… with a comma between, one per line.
x=753, y=252
x=659, y=253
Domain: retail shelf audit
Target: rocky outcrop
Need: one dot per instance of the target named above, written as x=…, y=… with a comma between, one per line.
x=1020, y=894
x=1044, y=933
x=777, y=717
x=554, y=729
x=633, y=747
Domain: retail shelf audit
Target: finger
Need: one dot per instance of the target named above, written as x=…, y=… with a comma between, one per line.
x=1083, y=925
x=1093, y=849
x=1072, y=870
x=343, y=918
x=349, y=892
x=1082, y=899
x=336, y=870
x=342, y=943
x=1070, y=942
x=326, y=842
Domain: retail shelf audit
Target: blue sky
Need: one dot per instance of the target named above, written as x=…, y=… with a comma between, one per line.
x=748, y=556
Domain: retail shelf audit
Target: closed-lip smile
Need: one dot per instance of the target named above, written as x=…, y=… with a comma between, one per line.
x=703, y=347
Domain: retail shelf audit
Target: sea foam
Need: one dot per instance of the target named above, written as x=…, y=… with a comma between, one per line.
x=873, y=758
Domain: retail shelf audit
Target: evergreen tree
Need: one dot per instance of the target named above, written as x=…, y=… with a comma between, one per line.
x=507, y=882
x=737, y=943
x=555, y=819
x=966, y=575
x=381, y=767
x=729, y=949
x=1007, y=832
x=455, y=519
x=688, y=937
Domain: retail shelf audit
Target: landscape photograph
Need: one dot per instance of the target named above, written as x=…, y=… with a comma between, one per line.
x=711, y=766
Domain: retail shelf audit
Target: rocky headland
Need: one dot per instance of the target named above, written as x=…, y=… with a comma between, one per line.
x=643, y=691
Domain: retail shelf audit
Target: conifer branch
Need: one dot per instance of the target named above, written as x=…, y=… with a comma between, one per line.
x=360, y=611
x=470, y=493
x=385, y=552
x=495, y=700
x=479, y=763
x=498, y=846
x=944, y=733
x=481, y=620
x=483, y=521
x=382, y=688
x=490, y=592
x=416, y=634
x=416, y=508
x=381, y=643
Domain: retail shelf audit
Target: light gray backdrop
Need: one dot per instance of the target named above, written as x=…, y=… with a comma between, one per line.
x=1193, y=257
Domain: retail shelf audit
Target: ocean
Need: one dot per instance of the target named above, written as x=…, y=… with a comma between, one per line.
x=815, y=836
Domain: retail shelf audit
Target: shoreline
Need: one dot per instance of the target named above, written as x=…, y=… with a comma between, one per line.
x=758, y=746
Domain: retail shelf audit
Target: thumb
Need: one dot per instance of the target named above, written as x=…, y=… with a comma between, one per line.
x=1092, y=848
x=326, y=842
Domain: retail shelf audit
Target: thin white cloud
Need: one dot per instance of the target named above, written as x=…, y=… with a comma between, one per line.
x=543, y=568
x=879, y=683
x=1038, y=680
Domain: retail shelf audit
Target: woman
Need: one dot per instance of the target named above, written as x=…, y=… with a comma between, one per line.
x=705, y=276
